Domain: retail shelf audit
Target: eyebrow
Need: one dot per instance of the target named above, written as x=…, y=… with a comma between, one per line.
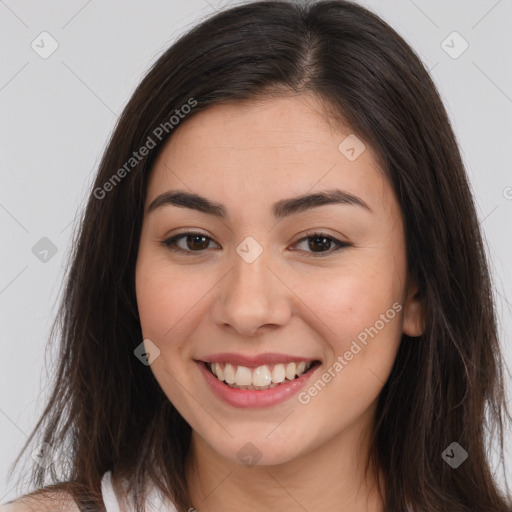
x=280, y=209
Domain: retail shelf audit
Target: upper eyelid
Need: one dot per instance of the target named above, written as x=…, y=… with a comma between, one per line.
x=307, y=235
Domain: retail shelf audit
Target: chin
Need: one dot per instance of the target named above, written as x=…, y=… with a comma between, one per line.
x=260, y=443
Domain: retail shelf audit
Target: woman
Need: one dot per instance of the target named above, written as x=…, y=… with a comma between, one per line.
x=279, y=297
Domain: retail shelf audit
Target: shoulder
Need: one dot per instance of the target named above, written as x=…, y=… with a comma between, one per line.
x=42, y=502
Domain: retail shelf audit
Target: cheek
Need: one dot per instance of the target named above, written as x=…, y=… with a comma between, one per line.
x=363, y=311
x=363, y=308
x=357, y=296
x=164, y=300
x=154, y=303
x=171, y=300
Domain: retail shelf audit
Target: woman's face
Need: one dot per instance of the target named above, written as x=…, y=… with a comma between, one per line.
x=270, y=278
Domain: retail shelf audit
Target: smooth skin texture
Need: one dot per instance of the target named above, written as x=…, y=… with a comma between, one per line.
x=247, y=156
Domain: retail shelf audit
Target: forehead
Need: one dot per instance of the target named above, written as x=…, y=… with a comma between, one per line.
x=262, y=151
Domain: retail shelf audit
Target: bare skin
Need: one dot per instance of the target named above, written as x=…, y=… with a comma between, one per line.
x=42, y=501
x=247, y=157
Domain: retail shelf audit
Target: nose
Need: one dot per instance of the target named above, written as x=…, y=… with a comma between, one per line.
x=252, y=298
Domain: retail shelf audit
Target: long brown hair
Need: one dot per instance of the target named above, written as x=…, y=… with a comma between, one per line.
x=107, y=411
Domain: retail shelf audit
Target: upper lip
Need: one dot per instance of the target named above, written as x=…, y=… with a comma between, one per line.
x=254, y=361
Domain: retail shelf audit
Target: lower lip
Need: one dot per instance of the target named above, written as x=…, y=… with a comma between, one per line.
x=246, y=398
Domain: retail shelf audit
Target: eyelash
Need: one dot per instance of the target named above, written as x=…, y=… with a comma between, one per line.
x=170, y=243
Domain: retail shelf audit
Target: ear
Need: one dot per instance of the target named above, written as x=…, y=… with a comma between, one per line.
x=414, y=322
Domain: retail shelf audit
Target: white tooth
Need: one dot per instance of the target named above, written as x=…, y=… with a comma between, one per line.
x=278, y=373
x=220, y=372
x=290, y=371
x=214, y=368
x=243, y=376
x=300, y=368
x=229, y=374
x=261, y=376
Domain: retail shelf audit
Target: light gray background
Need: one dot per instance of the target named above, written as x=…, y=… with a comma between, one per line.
x=57, y=114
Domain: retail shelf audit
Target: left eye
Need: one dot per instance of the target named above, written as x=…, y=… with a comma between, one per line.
x=197, y=242
x=321, y=241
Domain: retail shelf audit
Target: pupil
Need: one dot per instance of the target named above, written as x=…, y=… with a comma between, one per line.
x=194, y=238
x=325, y=242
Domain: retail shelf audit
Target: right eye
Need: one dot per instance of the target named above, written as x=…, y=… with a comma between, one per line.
x=195, y=242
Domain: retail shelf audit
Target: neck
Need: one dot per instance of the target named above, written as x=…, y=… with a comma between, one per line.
x=329, y=477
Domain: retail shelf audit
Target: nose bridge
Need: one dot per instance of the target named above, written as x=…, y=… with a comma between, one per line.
x=251, y=278
x=252, y=296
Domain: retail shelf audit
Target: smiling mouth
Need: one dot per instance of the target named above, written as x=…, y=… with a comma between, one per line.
x=260, y=378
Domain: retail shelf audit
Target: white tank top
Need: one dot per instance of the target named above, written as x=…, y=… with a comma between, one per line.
x=155, y=502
